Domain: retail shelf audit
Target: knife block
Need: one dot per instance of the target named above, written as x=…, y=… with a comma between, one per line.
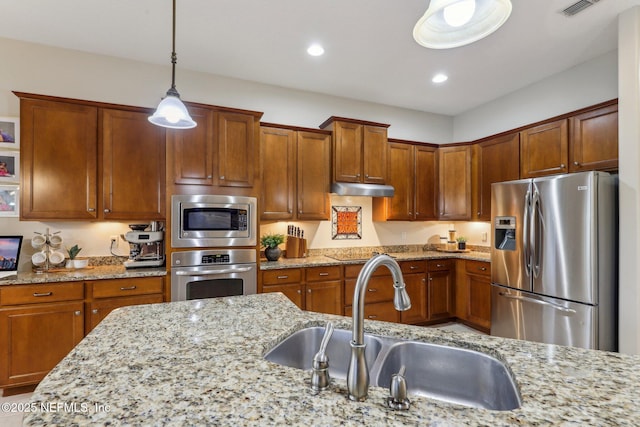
x=296, y=247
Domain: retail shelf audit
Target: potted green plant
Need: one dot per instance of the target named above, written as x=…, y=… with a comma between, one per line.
x=462, y=243
x=73, y=262
x=270, y=244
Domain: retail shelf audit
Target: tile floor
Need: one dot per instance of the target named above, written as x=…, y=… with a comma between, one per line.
x=14, y=419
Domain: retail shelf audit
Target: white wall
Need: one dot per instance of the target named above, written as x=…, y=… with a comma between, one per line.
x=587, y=84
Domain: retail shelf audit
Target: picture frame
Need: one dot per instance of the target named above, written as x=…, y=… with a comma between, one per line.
x=9, y=166
x=9, y=133
x=9, y=201
x=346, y=222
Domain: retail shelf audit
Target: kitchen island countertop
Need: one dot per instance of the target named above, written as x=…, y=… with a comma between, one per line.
x=201, y=363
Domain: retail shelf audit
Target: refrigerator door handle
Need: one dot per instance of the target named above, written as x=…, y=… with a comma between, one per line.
x=537, y=301
x=536, y=234
x=526, y=254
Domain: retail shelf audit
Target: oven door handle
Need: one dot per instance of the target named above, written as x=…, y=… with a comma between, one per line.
x=213, y=272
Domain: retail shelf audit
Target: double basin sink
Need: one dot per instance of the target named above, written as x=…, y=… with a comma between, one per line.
x=450, y=374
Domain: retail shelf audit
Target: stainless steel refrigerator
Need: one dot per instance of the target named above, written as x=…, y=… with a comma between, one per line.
x=554, y=260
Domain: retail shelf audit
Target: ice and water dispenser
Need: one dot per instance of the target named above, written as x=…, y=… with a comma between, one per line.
x=505, y=233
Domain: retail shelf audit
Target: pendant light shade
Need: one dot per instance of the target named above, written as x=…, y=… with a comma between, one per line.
x=171, y=112
x=453, y=23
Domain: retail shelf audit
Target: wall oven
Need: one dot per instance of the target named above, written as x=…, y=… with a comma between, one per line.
x=201, y=221
x=213, y=273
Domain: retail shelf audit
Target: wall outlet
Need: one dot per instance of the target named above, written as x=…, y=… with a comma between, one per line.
x=484, y=236
x=114, y=240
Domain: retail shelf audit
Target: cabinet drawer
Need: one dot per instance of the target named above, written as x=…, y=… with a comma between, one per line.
x=48, y=292
x=478, y=267
x=352, y=271
x=379, y=289
x=316, y=274
x=384, y=311
x=127, y=287
x=410, y=267
x=276, y=277
x=439, y=264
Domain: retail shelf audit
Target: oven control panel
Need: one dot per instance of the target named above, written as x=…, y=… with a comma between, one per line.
x=215, y=259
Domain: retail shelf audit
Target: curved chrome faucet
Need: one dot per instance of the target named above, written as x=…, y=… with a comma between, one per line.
x=358, y=374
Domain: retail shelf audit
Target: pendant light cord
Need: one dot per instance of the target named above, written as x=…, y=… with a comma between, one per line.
x=174, y=56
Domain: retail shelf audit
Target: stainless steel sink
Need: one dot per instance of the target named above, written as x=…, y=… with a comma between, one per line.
x=298, y=349
x=450, y=374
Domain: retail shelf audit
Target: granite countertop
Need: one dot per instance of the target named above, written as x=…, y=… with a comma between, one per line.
x=320, y=260
x=92, y=273
x=201, y=363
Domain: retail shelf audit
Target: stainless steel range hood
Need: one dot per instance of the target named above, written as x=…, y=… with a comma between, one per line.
x=369, y=190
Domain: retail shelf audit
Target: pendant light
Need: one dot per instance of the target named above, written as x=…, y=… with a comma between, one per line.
x=171, y=112
x=453, y=23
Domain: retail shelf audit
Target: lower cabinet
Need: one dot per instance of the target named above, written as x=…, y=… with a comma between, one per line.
x=40, y=324
x=416, y=283
x=379, y=296
x=474, y=294
x=440, y=289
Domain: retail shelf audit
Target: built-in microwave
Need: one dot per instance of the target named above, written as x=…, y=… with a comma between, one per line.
x=200, y=221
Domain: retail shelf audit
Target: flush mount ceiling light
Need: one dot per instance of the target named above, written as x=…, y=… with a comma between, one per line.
x=171, y=112
x=453, y=23
x=440, y=78
x=315, y=50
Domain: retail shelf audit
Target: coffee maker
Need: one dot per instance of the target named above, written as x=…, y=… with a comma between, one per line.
x=146, y=245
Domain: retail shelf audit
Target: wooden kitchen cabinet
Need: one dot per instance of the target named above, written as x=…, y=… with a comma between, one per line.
x=133, y=166
x=59, y=154
x=236, y=149
x=193, y=149
x=454, y=182
x=39, y=325
x=72, y=148
x=494, y=160
x=412, y=173
x=593, y=140
x=359, y=150
x=440, y=289
x=544, y=149
x=414, y=274
x=473, y=294
x=295, y=174
x=106, y=295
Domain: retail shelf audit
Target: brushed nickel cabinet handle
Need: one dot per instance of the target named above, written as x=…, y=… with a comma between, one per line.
x=42, y=294
x=323, y=274
x=107, y=211
x=372, y=290
x=439, y=265
x=91, y=209
x=309, y=290
x=430, y=279
x=128, y=288
x=94, y=311
x=283, y=277
x=482, y=268
x=372, y=316
x=77, y=313
x=412, y=267
x=299, y=291
x=562, y=166
x=209, y=176
x=222, y=177
x=576, y=163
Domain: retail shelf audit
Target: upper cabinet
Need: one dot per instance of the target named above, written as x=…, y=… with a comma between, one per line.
x=412, y=173
x=359, y=150
x=454, y=182
x=593, y=142
x=72, y=148
x=220, y=152
x=544, y=149
x=295, y=174
x=494, y=160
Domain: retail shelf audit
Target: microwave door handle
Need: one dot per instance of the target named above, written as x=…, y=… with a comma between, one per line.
x=537, y=301
x=213, y=272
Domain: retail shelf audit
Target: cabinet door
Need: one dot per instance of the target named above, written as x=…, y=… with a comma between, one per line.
x=401, y=177
x=479, y=303
x=192, y=150
x=314, y=176
x=347, y=152
x=277, y=172
x=99, y=309
x=498, y=160
x=544, y=150
x=417, y=290
x=426, y=173
x=133, y=162
x=59, y=151
x=291, y=291
x=324, y=297
x=374, y=154
x=593, y=143
x=454, y=183
x=440, y=295
x=384, y=311
x=35, y=338
x=236, y=149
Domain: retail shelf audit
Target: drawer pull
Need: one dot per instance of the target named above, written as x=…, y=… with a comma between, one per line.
x=413, y=267
x=323, y=274
x=128, y=288
x=372, y=316
x=372, y=290
x=439, y=265
x=482, y=268
x=283, y=277
x=42, y=294
x=94, y=311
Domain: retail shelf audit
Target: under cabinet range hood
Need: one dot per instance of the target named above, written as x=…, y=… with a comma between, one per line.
x=357, y=189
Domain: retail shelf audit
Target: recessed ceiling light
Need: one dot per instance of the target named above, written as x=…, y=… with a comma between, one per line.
x=440, y=78
x=315, y=50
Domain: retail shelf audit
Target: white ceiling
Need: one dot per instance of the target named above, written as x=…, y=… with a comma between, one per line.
x=370, y=53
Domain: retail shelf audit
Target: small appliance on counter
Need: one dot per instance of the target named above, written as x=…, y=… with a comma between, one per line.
x=146, y=245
